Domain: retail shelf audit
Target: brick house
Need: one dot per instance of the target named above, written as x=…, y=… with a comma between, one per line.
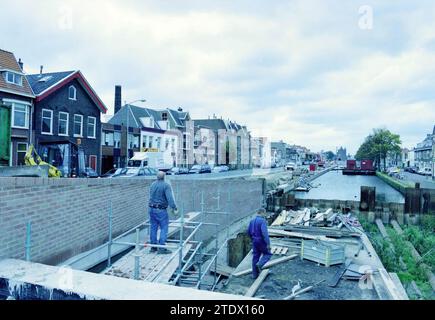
x=16, y=93
x=66, y=122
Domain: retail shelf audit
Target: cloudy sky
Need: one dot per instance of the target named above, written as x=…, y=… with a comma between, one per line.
x=317, y=73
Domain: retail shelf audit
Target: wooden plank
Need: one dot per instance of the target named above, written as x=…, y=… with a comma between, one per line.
x=392, y=289
x=257, y=283
x=396, y=227
x=399, y=286
x=267, y=265
x=299, y=235
x=382, y=229
x=222, y=269
x=280, y=219
x=292, y=296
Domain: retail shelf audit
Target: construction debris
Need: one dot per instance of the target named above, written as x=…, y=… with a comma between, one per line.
x=323, y=253
x=295, y=294
x=257, y=283
x=267, y=265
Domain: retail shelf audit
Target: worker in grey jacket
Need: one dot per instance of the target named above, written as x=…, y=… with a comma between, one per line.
x=160, y=198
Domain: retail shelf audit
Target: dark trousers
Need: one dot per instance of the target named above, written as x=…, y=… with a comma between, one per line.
x=261, y=255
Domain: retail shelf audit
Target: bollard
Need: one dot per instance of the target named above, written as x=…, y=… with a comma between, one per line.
x=136, y=256
x=371, y=217
x=386, y=217
x=109, y=244
x=28, y=240
x=406, y=218
x=400, y=218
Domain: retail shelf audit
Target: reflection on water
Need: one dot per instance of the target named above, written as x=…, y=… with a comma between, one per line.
x=336, y=186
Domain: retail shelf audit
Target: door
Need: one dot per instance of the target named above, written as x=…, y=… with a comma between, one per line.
x=93, y=162
x=5, y=135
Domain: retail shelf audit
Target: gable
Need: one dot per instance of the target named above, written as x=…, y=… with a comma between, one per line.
x=65, y=82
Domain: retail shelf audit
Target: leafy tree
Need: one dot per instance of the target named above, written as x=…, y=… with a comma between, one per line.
x=378, y=146
x=329, y=155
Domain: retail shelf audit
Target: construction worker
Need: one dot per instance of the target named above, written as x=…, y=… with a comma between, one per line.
x=160, y=198
x=259, y=235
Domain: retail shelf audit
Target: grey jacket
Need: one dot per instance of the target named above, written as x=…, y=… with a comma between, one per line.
x=161, y=194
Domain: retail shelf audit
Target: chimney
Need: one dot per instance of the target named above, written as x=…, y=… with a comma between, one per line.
x=118, y=97
x=21, y=64
x=40, y=69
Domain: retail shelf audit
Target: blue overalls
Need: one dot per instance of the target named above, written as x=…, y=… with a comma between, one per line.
x=260, y=243
x=160, y=198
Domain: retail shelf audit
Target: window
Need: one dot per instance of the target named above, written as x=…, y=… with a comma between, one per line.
x=158, y=142
x=107, y=139
x=72, y=93
x=47, y=121
x=78, y=125
x=92, y=125
x=14, y=78
x=63, y=123
x=166, y=144
x=165, y=116
x=133, y=141
x=144, y=141
x=21, y=152
x=150, y=143
x=117, y=139
x=20, y=115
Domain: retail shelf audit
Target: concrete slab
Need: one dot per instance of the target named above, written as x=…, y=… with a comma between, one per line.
x=27, y=280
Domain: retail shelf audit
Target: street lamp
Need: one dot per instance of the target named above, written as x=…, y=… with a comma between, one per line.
x=128, y=116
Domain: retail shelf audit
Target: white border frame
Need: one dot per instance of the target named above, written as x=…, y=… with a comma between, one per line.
x=95, y=128
x=81, y=126
x=67, y=124
x=51, y=122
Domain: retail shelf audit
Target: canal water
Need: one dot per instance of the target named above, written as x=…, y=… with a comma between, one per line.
x=336, y=186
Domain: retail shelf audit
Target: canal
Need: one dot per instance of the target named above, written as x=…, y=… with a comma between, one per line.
x=336, y=186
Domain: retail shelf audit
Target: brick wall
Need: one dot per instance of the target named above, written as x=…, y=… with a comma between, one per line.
x=70, y=216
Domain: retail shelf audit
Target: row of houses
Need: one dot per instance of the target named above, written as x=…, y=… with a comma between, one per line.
x=282, y=153
x=422, y=156
x=183, y=141
x=59, y=113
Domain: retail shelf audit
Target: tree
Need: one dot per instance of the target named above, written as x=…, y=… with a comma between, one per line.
x=329, y=155
x=378, y=146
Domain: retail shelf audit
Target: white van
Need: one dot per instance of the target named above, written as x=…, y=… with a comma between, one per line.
x=148, y=159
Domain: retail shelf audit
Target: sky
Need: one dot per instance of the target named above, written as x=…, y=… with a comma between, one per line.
x=321, y=73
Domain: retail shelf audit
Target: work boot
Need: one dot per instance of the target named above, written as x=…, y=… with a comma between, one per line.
x=153, y=249
x=164, y=251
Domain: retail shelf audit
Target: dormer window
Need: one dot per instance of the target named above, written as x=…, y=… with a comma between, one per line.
x=14, y=78
x=72, y=93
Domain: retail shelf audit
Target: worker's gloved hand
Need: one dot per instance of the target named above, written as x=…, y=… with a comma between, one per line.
x=175, y=211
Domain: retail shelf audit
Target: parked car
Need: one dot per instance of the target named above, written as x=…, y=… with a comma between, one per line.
x=177, y=171
x=89, y=173
x=200, y=168
x=139, y=172
x=425, y=171
x=410, y=169
x=112, y=173
x=290, y=166
x=218, y=169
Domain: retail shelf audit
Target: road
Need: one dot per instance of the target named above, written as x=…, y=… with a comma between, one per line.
x=425, y=181
x=230, y=174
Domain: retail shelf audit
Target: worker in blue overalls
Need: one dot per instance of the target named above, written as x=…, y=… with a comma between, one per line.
x=161, y=196
x=259, y=235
